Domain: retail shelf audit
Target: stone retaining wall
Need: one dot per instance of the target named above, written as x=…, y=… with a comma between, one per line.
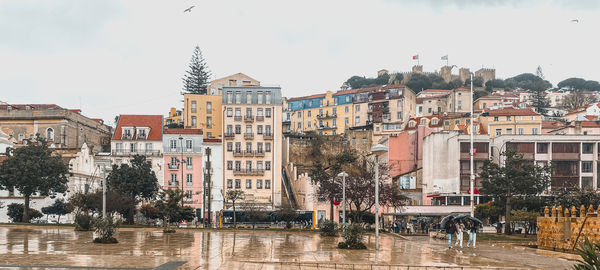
x=560, y=228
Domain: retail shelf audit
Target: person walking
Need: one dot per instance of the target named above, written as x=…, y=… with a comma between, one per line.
x=450, y=229
x=460, y=228
x=472, y=228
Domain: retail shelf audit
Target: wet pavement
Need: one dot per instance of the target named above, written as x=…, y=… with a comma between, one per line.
x=31, y=247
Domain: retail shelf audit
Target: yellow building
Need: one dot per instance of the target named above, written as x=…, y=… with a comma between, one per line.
x=239, y=79
x=175, y=117
x=511, y=121
x=203, y=112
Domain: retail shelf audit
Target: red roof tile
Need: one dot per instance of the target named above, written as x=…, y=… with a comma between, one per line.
x=152, y=121
x=511, y=111
x=307, y=97
x=31, y=106
x=188, y=131
x=436, y=90
x=212, y=140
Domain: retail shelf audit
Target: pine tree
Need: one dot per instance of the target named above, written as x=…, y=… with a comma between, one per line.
x=195, y=80
x=539, y=86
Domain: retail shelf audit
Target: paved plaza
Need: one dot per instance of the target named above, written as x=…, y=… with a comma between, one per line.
x=46, y=247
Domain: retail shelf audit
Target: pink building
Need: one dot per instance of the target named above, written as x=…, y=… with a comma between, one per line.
x=186, y=145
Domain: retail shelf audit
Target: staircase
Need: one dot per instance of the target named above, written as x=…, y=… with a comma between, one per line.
x=288, y=188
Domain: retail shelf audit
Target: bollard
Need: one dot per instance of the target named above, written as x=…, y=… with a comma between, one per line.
x=567, y=212
x=554, y=211
x=560, y=211
x=590, y=210
x=573, y=211
x=546, y=211
x=582, y=211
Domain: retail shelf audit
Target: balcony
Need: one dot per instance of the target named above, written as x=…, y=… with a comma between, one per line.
x=237, y=118
x=249, y=172
x=172, y=166
x=123, y=153
x=268, y=136
x=326, y=116
x=248, y=153
x=248, y=135
x=260, y=118
x=326, y=127
x=287, y=121
x=238, y=153
x=141, y=136
x=229, y=136
x=173, y=183
x=126, y=136
x=248, y=118
x=259, y=153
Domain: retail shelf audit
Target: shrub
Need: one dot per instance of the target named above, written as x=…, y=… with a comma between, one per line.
x=328, y=228
x=83, y=222
x=15, y=212
x=105, y=229
x=353, y=238
x=590, y=256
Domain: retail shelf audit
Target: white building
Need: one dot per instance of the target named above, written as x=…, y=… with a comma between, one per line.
x=216, y=163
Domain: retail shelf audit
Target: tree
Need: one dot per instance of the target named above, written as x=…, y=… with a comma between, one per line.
x=525, y=218
x=33, y=169
x=15, y=212
x=59, y=207
x=234, y=195
x=357, y=82
x=197, y=77
x=254, y=213
x=515, y=178
x=418, y=82
x=577, y=99
x=495, y=83
x=576, y=197
x=137, y=181
x=489, y=212
x=170, y=209
x=287, y=214
x=579, y=84
x=477, y=82
x=540, y=102
x=396, y=78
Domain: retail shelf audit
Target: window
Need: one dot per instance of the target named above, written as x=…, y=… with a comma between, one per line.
x=259, y=98
x=173, y=181
x=189, y=162
x=434, y=121
x=460, y=104
x=399, y=115
x=299, y=115
x=268, y=165
x=248, y=129
x=534, y=131
x=498, y=132
x=520, y=131
x=229, y=146
x=229, y=97
x=259, y=112
x=259, y=129
x=308, y=124
x=347, y=108
x=258, y=184
x=238, y=147
x=238, y=165
x=268, y=112
x=587, y=167
x=259, y=147
x=533, y=118
x=268, y=98
x=429, y=110
x=586, y=182
x=587, y=148
x=248, y=147
x=50, y=134
x=229, y=183
x=509, y=131
x=173, y=161
x=209, y=107
x=357, y=108
x=238, y=183
x=173, y=145
x=411, y=124
x=248, y=165
x=119, y=147
x=334, y=112
x=238, y=97
x=188, y=194
x=248, y=183
x=347, y=121
x=188, y=144
x=238, y=129
x=193, y=106
x=194, y=121
x=423, y=121
x=508, y=118
x=309, y=113
x=229, y=129
x=334, y=122
x=542, y=148
x=357, y=120
x=299, y=125
x=267, y=184
x=320, y=111
x=259, y=165
x=188, y=180
x=268, y=147
x=238, y=112
x=347, y=99
x=364, y=140
x=229, y=112
x=230, y=165
x=209, y=122
x=495, y=118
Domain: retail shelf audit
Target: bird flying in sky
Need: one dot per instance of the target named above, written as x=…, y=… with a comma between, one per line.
x=575, y=20
x=189, y=9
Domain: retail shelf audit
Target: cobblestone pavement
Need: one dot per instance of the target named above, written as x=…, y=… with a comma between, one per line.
x=31, y=247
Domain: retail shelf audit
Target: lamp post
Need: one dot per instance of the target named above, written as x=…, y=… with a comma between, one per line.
x=343, y=175
x=181, y=164
x=207, y=185
x=377, y=150
x=472, y=177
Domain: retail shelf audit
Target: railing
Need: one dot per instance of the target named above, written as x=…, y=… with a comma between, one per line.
x=249, y=135
x=229, y=135
x=248, y=118
x=260, y=118
x=324, y=116
x=259, y=153
x=172, y=166
x=268, y=136
x=249, y=172
x=136, y=152
x=248, y=153
x=126, y=136
x=238, y=154
x=325, y=127
x=142, y=136
x=237, y=118
x=286, y=121
x=173, y=183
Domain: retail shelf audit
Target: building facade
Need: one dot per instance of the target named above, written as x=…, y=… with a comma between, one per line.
x=509, y=121
x=203, y=112
x=239, y=79
x=252, y=136
x=175, y=117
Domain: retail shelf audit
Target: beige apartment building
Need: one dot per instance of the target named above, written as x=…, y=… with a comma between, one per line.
x=239, y=79
x=252, y=118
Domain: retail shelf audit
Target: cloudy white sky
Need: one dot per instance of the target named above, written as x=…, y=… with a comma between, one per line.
x=127, y=57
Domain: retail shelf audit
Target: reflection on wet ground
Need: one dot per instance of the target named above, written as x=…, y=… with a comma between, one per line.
x=62, y=247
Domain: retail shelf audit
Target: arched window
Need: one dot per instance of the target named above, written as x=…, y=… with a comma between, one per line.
x=434, y=121
x=50, y=134
x=423, y=121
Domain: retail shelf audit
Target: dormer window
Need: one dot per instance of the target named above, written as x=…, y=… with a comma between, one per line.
x=434, y=121
x=127, y=134
x=411, y=124
x=27, y=107
x=142, y=134
x=423, y=121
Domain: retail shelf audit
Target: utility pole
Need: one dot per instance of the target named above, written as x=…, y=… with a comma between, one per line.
x=471, y=154
x=181, y=164
x=207, y=184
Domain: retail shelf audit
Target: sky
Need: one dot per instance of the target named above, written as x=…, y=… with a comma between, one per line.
x=112, y=57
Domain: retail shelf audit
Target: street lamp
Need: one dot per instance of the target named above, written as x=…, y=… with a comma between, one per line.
x=377, y=150
x=343, y=175
x=208, y=170
x=472, y=177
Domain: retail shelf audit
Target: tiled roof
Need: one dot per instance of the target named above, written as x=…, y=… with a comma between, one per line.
x=152, y=121
x=511, y=111
x=436, y=91
x=188, y=131
x=417, y=121
x=212, y=140
x=462, y=89
x=306, y=97
x=31, y=106
x=582, y=108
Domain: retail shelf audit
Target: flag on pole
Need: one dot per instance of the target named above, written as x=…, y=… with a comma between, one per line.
x=416, y=57
x=445, y=57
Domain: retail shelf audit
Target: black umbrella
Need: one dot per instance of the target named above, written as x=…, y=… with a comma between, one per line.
x=468, y=217
x=444, y=220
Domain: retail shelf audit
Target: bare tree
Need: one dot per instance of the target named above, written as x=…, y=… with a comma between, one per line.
x=577, y=99
x=254, y=212
x=233, y=196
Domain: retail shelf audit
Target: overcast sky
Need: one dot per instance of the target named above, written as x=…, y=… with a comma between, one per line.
x=128, y=57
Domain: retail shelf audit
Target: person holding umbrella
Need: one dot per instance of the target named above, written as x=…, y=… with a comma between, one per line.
x=450, y=229
x=472, y=228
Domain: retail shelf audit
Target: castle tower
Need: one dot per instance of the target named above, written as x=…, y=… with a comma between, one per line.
x=463, y=74
x=446, y=73
x=417, y=69
x=487, y=74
